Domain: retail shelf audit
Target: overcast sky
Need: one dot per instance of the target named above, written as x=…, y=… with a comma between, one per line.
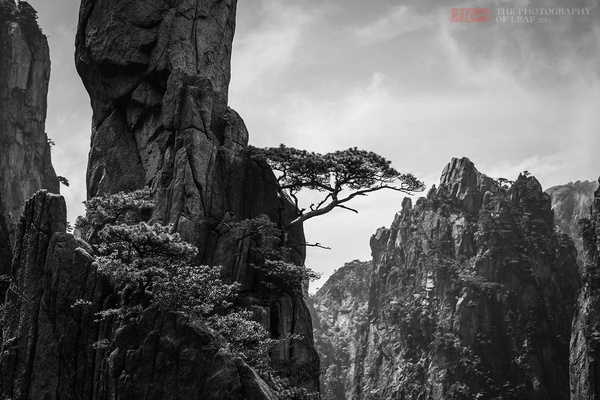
x=394, y=77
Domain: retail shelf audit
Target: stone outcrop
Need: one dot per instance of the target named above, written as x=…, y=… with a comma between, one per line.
x=25, y=164
x=585, y=339
x=570, y=203
x=157, y=73
x=472, y=295
x=56, y=349
x=339, y=309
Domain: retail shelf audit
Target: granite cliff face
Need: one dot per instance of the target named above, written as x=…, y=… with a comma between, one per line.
x=55, y=350
x=585, y=339
x=157, y=73
x=25, y=165
x=472, y=295
x=339, y=309
x=570, y=203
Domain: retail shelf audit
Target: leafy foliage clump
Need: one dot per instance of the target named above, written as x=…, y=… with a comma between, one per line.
x=116, y=209
x=151, y=264
x=270, y=256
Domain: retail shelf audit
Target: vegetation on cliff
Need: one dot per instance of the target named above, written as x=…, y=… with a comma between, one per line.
x=150, y=264
x=472, y=295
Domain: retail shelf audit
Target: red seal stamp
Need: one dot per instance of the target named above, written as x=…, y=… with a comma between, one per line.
x=471, y=15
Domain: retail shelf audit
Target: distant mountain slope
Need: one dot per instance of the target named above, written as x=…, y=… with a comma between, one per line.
x=339, y=308
x=572, y=202
x=585, y=338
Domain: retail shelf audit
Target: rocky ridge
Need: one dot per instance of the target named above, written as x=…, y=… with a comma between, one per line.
x=472, y=295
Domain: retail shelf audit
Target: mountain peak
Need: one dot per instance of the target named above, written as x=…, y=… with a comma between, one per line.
x=461, y=175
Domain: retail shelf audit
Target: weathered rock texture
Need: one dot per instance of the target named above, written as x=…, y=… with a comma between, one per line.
x=25, y=165
x=5, y=247
x=570, y=203
x=585, y=339
x=55, y=350
x=340, y=308
x=158, y=73
x=472, y=296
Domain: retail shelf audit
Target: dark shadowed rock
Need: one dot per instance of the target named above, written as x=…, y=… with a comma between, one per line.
x=472, y=295
x=585, y=339
x=54, y=349
x=158, y=78
x=5, y=246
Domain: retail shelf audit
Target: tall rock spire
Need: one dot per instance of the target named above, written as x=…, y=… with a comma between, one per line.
x=25, y=165
x=157, y=73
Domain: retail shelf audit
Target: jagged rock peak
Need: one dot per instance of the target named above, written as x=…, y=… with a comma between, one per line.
x=461, y=175
x=472, y=294
x=462, y=184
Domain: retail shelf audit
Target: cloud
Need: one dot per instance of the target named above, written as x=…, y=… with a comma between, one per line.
x=533, y=54
x=268, y=47
x=396, y=22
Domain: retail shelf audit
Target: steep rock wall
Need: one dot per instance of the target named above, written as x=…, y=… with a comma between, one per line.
x=471, y=297
x=585, y=339
x=25, y=164
x=55, y=350
x=570, y=203
x=157, y=73
x=339, y=308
